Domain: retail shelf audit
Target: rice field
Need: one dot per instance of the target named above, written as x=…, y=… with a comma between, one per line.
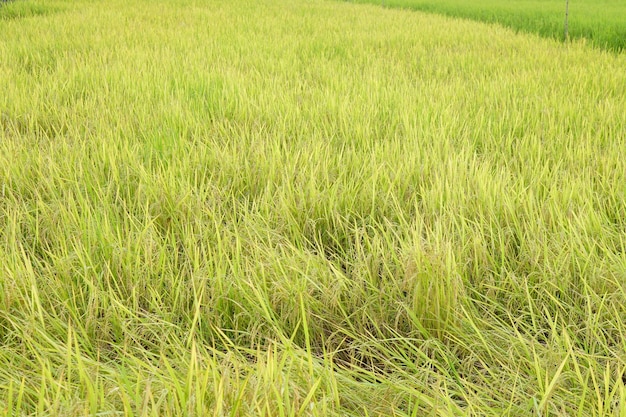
x=306, y=208
x=601, y=22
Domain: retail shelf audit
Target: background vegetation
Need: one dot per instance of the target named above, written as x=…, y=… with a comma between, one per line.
x=601, y=22
x=306, y=208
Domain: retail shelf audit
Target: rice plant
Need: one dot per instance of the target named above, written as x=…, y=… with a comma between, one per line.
x=306, y=208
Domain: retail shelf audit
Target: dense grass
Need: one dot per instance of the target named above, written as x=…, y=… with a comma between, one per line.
x=11, y=9
x=603, y=22
x=307, y=208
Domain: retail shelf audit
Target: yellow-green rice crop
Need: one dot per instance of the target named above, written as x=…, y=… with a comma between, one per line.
x=306, y=207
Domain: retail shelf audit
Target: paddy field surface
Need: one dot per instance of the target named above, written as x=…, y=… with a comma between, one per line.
x=306, y=208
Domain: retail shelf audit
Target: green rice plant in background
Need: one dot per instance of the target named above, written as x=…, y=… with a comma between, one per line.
x=603, y=23
x=15, y=9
